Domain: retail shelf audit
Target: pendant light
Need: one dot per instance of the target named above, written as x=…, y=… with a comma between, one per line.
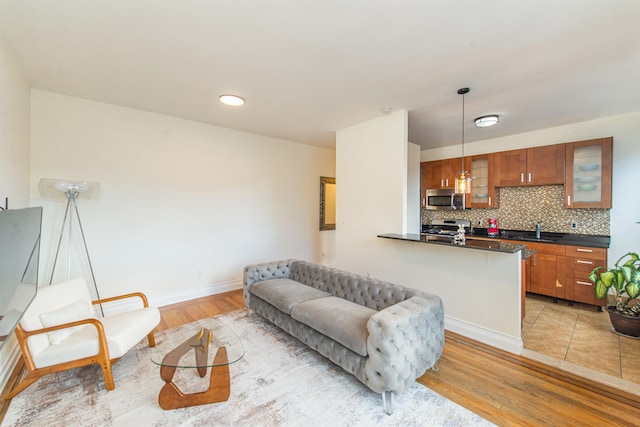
x=463, y=179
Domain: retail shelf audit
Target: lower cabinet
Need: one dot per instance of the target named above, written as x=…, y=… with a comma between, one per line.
x=561, y=271
x=580, y=261
x=547, y=268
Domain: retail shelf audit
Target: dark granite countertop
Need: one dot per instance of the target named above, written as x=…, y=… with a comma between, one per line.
x=571, y=239
x=470, y=243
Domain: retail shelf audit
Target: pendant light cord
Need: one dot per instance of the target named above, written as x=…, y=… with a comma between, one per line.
x=462, y=160
x=462, y=92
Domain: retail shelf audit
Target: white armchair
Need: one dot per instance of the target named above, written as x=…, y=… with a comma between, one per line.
x=60, y=331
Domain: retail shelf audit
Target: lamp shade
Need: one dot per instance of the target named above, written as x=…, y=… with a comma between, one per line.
x=463, y=183
x=51, y=187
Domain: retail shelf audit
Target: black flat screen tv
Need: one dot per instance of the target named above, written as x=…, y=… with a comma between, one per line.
x=19, y=259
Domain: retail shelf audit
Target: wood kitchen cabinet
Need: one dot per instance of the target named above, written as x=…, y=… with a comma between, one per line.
x=588, y=174
x=579, y=263
x=441, y=173
x=531, y=166
x=547, y=269
x=561, y=271
x=483, y=194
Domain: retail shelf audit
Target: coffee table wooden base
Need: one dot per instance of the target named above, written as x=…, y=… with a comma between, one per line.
x=219, y=386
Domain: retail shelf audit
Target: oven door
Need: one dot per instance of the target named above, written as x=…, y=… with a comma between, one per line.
x=444, y=199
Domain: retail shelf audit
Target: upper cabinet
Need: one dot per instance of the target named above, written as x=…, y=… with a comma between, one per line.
x=531, y=166
x=588, y=175
x=441, y=173
x=482, y=181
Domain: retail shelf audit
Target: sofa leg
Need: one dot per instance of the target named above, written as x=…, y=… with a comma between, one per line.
x=387, y=402
x=436, y=366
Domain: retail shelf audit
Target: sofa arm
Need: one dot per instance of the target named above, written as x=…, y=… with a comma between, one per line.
x=266, y=271
x=404, y=341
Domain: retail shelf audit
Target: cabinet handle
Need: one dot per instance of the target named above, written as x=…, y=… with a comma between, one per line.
x=447, y=180
x=580, y=282
x=442, y=182
x=489, y=200
x=579, y=261
x=569, y=200
x=584, y=250
x=533, y=261
x=521, y=176
x=529, y=176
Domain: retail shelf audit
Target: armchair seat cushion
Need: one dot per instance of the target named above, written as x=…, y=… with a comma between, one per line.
x=123, y=331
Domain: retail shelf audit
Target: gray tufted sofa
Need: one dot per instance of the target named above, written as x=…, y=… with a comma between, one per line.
x=385, y=335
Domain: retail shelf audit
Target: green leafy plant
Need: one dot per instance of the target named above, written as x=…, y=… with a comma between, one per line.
x=624, y=279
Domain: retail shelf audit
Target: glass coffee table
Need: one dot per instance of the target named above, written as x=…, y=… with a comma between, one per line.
x=207, y=344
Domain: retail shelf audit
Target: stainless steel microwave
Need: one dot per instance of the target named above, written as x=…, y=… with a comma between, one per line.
x=444, y=199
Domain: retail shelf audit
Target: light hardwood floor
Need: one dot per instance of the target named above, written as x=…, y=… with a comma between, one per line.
x=505, y=389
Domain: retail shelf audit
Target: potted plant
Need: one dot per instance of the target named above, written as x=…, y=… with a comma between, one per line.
x=624, y=279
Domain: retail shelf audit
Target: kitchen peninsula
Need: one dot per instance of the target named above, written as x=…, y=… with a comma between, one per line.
x=479, y=282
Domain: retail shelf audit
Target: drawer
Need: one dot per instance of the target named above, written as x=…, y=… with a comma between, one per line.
x=586, y=252
x=548, y=248
x=582, y=267
x=583, y=291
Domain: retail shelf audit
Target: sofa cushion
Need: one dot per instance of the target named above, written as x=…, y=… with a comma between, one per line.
x=284, y=294
x=342, y=321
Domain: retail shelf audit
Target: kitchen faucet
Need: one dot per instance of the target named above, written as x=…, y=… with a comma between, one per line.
x=537, y=230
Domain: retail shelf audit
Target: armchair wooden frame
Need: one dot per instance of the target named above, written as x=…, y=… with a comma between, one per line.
x=102, y=358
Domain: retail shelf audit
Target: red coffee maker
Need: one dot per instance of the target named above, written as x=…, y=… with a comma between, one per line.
x=492, y=231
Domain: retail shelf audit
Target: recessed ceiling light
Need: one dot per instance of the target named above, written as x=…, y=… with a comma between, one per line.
x=486, y=121
x=232, y=100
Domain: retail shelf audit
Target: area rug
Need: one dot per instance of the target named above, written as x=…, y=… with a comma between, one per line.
x=279, y=382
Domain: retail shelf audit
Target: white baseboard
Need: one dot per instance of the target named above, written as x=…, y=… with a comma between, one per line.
x=172, y=297
x=10, y=356
x=486, y=336
x=193, y=293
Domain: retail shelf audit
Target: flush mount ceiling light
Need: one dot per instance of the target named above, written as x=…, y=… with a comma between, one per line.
x=232, y=100
x=486, y=121
x=463, y=178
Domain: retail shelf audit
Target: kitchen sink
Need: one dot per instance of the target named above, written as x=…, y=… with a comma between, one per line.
x=533, y=239
x=530, y=236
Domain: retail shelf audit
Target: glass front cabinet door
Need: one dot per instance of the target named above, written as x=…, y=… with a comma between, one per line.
x=482, y=182
x=588, y=174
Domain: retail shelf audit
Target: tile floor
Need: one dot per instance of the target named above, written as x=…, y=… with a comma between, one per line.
x=580, y=337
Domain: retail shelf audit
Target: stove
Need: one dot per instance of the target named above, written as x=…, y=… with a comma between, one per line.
x=446, y=227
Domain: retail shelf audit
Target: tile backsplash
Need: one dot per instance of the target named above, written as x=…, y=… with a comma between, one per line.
x=521, y=207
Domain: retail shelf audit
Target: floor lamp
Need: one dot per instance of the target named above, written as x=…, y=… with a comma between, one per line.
x=53, y=188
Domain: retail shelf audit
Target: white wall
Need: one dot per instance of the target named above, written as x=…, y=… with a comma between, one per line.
x=14, y=161
x=625, y=129
x=371, y=173
x=14, y=132
x=412, y=221
x=183, y=205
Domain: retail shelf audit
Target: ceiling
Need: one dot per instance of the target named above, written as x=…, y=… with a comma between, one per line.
x=308, y=68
